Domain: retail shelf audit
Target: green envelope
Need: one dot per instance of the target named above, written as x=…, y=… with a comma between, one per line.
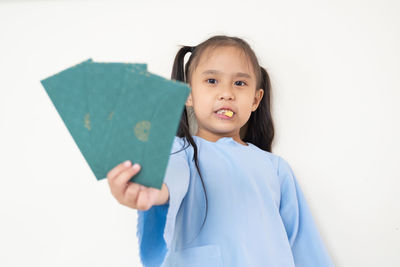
x=117, y=112
x=67, y=90
x=104, y=85
x=145, y=123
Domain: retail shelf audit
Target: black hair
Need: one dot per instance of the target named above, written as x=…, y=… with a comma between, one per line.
x=259, y=129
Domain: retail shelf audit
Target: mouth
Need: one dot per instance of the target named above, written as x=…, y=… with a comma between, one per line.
x=225, y=113
x=225, y=109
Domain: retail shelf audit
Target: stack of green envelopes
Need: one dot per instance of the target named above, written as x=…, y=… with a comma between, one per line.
x=117, y=112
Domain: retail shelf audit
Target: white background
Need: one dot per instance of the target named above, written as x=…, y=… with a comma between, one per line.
x=335, y=73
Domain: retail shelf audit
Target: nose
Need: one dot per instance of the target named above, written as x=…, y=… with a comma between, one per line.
x=226, y=93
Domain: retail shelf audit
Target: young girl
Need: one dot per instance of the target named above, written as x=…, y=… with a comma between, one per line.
x=226, y=200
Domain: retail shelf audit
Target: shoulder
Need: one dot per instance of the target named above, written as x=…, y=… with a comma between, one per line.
x=271, y=157
x=180, y=146
x=280, y=164
x=178, y=142
x=281, y=168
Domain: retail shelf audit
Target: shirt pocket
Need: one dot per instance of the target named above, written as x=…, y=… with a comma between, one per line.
x=200, y=256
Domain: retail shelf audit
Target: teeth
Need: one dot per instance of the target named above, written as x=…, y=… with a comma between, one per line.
x=226, y=112
x=221, y=111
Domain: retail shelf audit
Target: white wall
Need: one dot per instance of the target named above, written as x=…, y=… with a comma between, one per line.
x=335, y=72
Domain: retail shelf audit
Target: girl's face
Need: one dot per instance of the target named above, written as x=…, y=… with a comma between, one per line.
x=223, y=78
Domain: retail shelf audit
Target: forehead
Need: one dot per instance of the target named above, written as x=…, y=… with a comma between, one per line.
x=225, y=59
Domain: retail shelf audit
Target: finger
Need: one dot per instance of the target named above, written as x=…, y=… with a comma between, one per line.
x=143, y=201
x=117, y=169
x=147, y=197
x=131, y=194
x=120, y=183
x=111, y=175
x=153, y=193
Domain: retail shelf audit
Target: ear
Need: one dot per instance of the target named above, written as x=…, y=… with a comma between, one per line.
x=189, y=101
x=257, y=99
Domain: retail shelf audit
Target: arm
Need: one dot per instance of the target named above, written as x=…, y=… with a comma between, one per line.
x=307, y=246
x=156, y=226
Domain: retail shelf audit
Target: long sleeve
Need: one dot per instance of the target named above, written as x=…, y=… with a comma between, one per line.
x=156, y=226
x=307, y=246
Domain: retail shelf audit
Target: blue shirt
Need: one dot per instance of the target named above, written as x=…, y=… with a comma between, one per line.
x=257, y=214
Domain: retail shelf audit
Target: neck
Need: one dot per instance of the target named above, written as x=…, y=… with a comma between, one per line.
x=215, y=137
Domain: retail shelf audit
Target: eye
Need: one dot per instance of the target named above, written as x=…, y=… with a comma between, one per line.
x=244, y=83
x=211, y=79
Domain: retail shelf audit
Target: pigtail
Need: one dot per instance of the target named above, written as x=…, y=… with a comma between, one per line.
x=180, y=73
x=260, y=129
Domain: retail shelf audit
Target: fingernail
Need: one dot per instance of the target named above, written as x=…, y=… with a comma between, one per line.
x=127, y=163
x=135, y=166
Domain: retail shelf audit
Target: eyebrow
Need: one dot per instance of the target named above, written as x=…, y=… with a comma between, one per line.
x=238, y=74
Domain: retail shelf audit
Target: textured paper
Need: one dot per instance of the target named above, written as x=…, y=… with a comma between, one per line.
x=145, y=123
x=117, y=112
x=104, y=84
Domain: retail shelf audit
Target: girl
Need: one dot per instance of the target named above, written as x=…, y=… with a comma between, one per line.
x=226, y=200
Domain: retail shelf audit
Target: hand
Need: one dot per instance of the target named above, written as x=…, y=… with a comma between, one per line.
x=130, y=194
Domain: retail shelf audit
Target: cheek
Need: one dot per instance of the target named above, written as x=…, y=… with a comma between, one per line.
x=202, y=97
x=246, y=102
x=203, y=106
